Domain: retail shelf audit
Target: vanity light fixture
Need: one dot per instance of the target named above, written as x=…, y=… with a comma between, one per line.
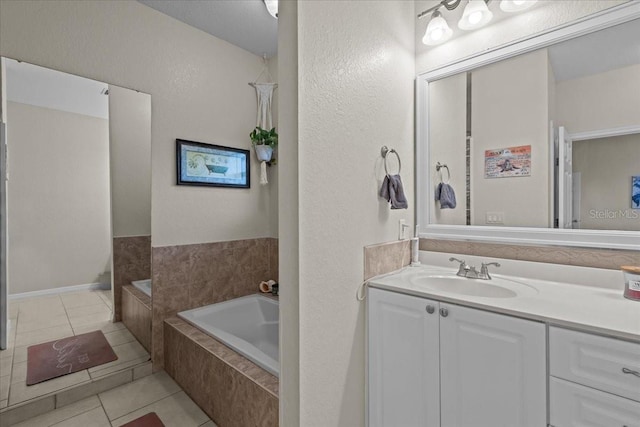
x=516, y=5
x=272, y=7
x=476, y=14
x=438, y=31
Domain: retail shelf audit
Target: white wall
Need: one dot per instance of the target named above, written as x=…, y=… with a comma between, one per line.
x=355, y=93
x=130, y=159
x=606, y=166
x=60, y=230
x=198, y=87
x=510, y=107
x=600, y=101
x=447, y=144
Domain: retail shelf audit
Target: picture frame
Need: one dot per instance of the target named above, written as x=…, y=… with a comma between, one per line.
x=212, y=165
x=635, y=192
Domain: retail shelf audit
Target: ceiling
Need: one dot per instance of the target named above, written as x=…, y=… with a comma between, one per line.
x=42, y=87
x=244, y=23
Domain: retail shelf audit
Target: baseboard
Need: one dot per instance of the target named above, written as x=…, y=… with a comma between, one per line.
x=63, y=290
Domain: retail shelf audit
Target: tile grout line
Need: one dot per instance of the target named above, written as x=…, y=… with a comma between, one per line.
x=148, y=404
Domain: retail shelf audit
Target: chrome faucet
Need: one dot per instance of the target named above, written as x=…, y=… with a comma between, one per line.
x=484, y=270
x=471, y=272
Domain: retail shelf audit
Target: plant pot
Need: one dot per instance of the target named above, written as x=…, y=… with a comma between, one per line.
x=264, y=152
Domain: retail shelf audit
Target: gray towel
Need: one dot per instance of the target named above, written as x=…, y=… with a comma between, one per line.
x=446, y=196
x=393, y=192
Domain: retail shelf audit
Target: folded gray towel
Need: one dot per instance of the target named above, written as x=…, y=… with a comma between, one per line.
x=446, y=196
x=393, y=192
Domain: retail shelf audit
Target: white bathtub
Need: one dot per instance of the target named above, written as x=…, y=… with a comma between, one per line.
x=249, y=325
x=143, y=285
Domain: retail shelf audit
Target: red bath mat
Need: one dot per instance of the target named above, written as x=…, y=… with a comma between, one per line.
x=61, y=357
x=149, y=420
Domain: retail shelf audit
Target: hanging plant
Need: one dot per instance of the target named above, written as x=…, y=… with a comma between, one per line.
x=265, y=138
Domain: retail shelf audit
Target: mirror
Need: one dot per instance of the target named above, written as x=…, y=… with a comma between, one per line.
x=78, y=212
x=535, y=138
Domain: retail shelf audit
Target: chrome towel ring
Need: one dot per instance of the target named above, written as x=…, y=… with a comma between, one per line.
x=384, y=151
x=440, y=166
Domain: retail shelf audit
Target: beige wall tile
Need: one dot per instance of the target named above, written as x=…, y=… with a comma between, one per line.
x=386, y=257
x=585, y=257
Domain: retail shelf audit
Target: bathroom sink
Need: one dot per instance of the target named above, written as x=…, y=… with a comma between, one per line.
x=494, y=288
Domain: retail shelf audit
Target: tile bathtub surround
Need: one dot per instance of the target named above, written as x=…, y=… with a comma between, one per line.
x=136, y=314
x=386, y=257
x=190, y=276
x=232, y=390
x=584, y=257
x=131, y=261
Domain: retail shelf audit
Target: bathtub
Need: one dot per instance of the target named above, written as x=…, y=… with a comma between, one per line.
x=249, y=325
x=143, y=285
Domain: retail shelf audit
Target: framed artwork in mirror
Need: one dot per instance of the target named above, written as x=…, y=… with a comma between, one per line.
x=635, y=192
x=211, y=165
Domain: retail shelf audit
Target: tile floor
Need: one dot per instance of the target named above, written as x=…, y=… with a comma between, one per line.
x=154, y=393
x=41, y=319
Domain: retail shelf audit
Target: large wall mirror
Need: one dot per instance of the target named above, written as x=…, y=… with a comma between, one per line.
x=540, y=140
x=78, y=190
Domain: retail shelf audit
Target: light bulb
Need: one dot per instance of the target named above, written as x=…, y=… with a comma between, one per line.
x=438, y=31
x=475, y=15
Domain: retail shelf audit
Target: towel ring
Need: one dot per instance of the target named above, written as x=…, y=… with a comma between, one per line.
x=384, y=151
x=440, y=166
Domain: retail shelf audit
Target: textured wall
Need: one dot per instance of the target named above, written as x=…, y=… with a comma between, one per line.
x=355, y=83
x=198, y=87
x=58, y=199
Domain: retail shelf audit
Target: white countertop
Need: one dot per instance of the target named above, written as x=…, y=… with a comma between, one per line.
x=587, y=308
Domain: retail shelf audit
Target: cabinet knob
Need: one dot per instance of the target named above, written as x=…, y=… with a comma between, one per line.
x=431, y=309
x=444, y=312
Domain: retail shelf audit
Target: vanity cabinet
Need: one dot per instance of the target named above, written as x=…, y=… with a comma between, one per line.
x=595, y=380
x=436, y=364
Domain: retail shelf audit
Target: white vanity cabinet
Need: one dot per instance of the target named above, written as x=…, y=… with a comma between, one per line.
x=595, y=380
x=435, y=364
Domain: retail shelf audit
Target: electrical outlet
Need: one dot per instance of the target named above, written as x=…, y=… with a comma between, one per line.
x=494, y=218
x=401, y=227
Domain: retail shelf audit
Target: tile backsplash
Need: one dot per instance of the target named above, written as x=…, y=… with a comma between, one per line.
x=386, y=257
x=131, y=261
x=190, y=276
x=583, y=257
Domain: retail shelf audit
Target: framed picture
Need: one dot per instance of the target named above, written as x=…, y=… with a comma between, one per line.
x=635, y=192
x=212, y=165
x=507, y=162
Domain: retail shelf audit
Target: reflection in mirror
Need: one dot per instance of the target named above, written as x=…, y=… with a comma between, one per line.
x=497, y=127
x=79, y=212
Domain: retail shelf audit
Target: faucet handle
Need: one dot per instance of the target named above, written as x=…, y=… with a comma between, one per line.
x=484, y=269
x=463, y=266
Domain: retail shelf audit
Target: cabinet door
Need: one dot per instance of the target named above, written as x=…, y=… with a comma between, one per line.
x=403, y=362
x=493, y=369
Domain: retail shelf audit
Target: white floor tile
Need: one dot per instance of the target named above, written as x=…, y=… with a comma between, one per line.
x=62, y=414
x=88, y=310
x=130, y=397
x=58, y=320
x=176, y=410
x=20, y=392
x=94, y=418
x=80, y=299
x=43, y=335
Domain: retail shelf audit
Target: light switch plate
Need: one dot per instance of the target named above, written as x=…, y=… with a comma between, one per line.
x=495, y=218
